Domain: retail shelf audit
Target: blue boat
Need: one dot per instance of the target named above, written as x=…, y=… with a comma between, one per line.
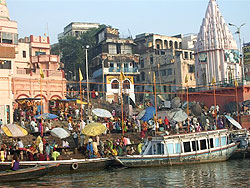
x=199, y=147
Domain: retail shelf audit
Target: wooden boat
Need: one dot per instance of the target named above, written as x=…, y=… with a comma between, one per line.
x=26, y=173
x=199, y=147
x=72, y=165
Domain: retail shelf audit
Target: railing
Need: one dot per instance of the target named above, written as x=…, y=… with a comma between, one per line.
x=45, y=58
x=47, y=73
x=125, y=70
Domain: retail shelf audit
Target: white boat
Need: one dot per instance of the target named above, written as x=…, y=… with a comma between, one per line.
x=199, y=147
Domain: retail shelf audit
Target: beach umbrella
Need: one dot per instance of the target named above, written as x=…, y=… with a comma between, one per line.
x=176, y=102
x=180, y=116
x=101, y=113
x=149, y=113
x=59, y=133
x=141, y=114
x=235, y=123
x=94, y=129
x=13, y=130
x=46, y=116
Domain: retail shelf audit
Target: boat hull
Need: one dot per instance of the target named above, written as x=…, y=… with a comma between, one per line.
x=205, y=156
x=26, y=174
x=73, y=165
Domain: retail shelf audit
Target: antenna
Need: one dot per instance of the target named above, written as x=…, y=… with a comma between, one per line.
x=130, y=35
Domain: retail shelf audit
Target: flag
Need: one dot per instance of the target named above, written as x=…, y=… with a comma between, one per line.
x=213, y=80
x=236, y=83
x=186, y=79
x=80, y=75
x=41, y=73
x=122, y=76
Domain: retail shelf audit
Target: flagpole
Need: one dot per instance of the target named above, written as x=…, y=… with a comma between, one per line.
x=41, y=73
x=81, y=96
x=155, y=97
x=215, y=110
x=186, y=81
x=122, y=104
x=236, y=99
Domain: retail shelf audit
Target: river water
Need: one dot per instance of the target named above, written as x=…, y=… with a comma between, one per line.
x=230, y=174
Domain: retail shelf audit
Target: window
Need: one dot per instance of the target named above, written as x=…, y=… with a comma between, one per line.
x=171, y=44
x=112, y=49
x=126, y=84
x=223, y=141
x=115, y=84
x=5, y=64
x=126, y=49
x=186, y=55
x=169, y=71
x=151, y=59
x=191, y=55
x=158, y=46
x=7, y=38
x=170, y=148
x=217, y=142
x=138, y=78
x=175, y=45
x=39, y=53
x=187, y=147
x=177, y=148
x=191, y=68
x=211, y=143
x=195, y=145
x=180, y=45
x=118, y=48
x=142, y=63
x=165, y=88
x=163, y=72
x=163, y=52
x=203, y=144
x=143, y=76
x=24, y=54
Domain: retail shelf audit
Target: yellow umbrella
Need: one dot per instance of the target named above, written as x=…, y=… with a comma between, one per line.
x=94, y=129
x=13, y=130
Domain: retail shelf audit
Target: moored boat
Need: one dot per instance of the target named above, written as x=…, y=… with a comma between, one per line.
x=199, y=147
x=72, y=165
x=26, y=173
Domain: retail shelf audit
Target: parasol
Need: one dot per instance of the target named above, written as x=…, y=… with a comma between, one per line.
x=180, y=116
x=59, y=133
x=13, y=130
x=46, y=116
x=102, y=113
x=94, y=129
x=235, y=123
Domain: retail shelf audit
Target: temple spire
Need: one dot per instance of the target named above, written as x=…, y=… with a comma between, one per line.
x=4, y=13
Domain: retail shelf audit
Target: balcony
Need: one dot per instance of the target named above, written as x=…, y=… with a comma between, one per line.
x=125, y=70
x=45, y=58
x=54, y=74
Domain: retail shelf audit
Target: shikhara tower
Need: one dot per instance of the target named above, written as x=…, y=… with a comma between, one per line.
x=216, y=53
x=4, y=13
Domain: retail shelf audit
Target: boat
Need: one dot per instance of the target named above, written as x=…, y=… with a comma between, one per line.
x=198, y=147
x=70, y=165
x=26, y=173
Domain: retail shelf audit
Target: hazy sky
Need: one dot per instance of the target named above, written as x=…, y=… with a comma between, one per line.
x=166, y=17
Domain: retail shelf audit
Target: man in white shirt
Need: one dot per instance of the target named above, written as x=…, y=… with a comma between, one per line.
x=70, y=128
x=82, y=136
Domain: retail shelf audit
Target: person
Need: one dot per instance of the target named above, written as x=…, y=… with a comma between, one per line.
x=70, y=128
x=33, y=125
x=90, y=150
x=82, y=136
x=75, y=137
x=22, y=123
x=55, y=155
x=15, y=162
x=166, y=123
x=160, y=122
x=49, y=124
x=2, y=155
x=19, y=143
x=77, y=113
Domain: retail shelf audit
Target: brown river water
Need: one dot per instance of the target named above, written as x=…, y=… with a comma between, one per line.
x=230, y=174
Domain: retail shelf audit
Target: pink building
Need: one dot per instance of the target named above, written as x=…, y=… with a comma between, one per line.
x=20, y=64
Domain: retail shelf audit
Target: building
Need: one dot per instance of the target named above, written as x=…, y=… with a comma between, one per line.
x=113, y=56
x=246, y=60
x=20, y=64
x=33, y=54
x=216, y=54
x=76, y=29
x=165, y=57
x=8, y=44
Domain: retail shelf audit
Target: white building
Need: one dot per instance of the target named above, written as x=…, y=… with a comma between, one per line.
x=216, y=51
x=76, y=29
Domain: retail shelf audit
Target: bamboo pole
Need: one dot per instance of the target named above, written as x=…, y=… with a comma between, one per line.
x=81, y=96
x=236, y=100
x=122, y=105
x=155, y=96
x=41, y=105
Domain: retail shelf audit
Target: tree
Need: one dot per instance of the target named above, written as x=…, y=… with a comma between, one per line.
x=71, y=50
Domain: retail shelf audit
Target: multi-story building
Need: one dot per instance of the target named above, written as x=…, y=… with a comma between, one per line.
x=8, y=44
x=216, y=54
x=76, y=29
x=166, y=58
x=20, y=64
x=113, y=56
x=246, y=60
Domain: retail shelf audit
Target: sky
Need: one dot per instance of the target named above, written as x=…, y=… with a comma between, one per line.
x=165, y=17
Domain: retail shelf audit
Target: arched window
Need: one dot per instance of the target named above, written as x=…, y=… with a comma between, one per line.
x=171, y=44
x=114, y=84
x=176, y=45
x=126, y=84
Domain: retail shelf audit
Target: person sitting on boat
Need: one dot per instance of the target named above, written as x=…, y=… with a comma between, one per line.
x=15, y=162
x=55, y=155
x=90, y=150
